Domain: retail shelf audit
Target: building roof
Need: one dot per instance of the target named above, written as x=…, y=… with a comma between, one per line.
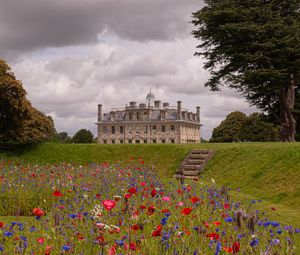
x=170, y=114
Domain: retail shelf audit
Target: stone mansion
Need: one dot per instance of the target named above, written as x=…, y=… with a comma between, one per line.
x=150, y=122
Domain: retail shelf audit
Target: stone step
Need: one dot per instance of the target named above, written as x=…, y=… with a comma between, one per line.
x=197, y=156
x=190, y=173
x=194, y=161
x=200, y=152
x=191, y=167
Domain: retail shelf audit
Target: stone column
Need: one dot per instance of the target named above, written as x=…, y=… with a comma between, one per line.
x=198, y=113
x=99, y=112
x=179, y=110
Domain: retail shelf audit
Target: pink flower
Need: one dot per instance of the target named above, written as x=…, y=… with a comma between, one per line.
x=166, y=199
x=180, y=204
x=108, y=204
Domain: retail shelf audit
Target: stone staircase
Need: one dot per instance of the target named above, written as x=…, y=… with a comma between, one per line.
x=194, y=163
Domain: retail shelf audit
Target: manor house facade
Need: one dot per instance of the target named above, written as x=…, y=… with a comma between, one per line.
x=150, y=122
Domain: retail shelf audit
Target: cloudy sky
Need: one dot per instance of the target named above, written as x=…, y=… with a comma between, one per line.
x=73, y=54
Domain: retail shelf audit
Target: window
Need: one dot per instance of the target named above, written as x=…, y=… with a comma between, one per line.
x=113, y=130
x=104, y=141
x=121, y=141
x=146, y=130
x=129, y=141
x=163, y=141
x=154, y=127
x=130, y=116
x=145, y=141
x=121, y=130
x=154, y=141
x=172, y=127
x=163, y=128
x=105, y=129
x=172, y=141
x=113, y=141
x=137, y=141
x=137, y=116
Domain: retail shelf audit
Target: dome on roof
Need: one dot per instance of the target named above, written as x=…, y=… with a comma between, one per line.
x=150, y=96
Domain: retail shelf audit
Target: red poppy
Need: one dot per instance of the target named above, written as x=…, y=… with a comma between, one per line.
x=216, y=223
x=228, y=249
x=194, y=199
x=108, y=204
x=153, y=192
x=2, y=224
x=236, y=247
x=143, y=184
x=38, y=212
x=226, y=206
x=157, y=231
x=57, y=193
x=165, y=210
x=126, y=196
x=213, y=236
x=40, y=240
x=135, y=227
x=179, y=191
x=132, y=246
x=151, y=210
x=186, y=211
x=132, y=190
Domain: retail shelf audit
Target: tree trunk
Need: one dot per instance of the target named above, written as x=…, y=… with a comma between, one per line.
x=287, y=102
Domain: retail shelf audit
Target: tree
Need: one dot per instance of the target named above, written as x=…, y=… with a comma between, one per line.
x=254, y=46
x=83, y=136
x=239, y=127
x=229, y=129
x=20, y=123
x=255, y=129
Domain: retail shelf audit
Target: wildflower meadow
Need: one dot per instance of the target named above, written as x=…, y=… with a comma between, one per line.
x=126, y=209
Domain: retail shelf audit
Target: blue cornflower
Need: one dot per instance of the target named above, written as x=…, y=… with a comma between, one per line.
x=119, y=242
x=274, y=223
x=297, y=230
x=279, y=231
x=163, y=221
x=32, y=228
x=228, y=219
x=254, y=242
x=218, y=248
x=66, y=248
x=73, y=216
x=8, y=233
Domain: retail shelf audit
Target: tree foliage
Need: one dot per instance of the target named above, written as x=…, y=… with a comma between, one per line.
x=20, y=123
x=239, y=127
x=254, y=46
x=83, y=136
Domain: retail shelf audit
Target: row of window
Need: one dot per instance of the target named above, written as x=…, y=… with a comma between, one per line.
x=139, y=141
x=121, y=129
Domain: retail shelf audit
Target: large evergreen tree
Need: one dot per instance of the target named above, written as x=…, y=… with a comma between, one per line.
x=254, y=46
x=20, y=123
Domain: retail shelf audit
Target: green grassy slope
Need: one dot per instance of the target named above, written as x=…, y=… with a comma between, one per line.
x=269, y=171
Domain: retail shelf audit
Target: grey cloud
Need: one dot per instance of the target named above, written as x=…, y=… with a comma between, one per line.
x=34, y=24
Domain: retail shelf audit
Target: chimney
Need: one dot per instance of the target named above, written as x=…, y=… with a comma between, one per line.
x=142, y=106
x=198, y=113
x=156, y=104
x=179, y=111
x=165, y=105
x=132, y=104
x=99, y=112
